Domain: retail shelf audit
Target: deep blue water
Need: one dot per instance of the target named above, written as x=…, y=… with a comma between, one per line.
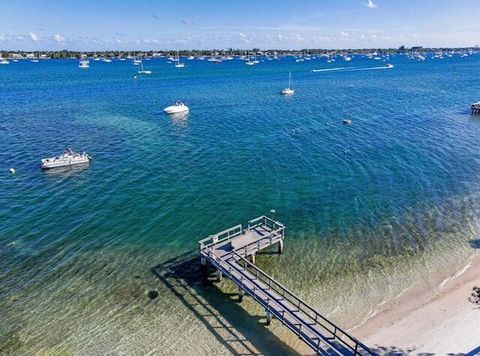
x=401, y=180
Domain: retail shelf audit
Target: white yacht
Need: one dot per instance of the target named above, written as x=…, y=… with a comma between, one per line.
x=176, y=108
x=142, y=70
x=289, y=90
x=390, y=65
x=84, y=64
x=67, y=159
x=4, y=61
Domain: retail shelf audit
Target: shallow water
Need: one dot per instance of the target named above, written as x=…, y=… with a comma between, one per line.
x=371, y=209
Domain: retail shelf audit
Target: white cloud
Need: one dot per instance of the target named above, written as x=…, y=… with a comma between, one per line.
x=33, y=36
x=371, y=5
x=243, y=37
x=344, y=34
x=58, y=38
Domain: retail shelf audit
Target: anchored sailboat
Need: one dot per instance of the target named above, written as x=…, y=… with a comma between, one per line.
x=142, y=70
x=289, y=90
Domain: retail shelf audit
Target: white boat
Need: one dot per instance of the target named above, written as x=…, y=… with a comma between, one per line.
x=215, y=60
x=176, y=108
x=389, y=65
x=4, y=61
x=84, y=64
x=142, y=70
x=289, y=90
x=178, y=64
x=67, y=159
x=34, y=60
x=136, y=61
x=106, y=60
x=190, y=58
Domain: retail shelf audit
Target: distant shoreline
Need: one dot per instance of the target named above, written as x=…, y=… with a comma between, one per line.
x=62, y=54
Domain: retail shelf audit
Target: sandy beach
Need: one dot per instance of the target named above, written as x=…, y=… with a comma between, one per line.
x=442, y=322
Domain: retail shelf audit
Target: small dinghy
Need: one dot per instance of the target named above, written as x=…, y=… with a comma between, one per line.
x=176, y=108
x=67, y=159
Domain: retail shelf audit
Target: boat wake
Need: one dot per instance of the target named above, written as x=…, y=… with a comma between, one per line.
x=351, y=69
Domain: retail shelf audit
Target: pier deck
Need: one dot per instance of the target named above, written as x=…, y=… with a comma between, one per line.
x=228, y=250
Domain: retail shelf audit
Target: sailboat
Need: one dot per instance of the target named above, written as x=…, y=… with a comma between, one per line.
x=289, y=90
x=142, y=70
x=136, y=61
x=178, y=64
x=250, y=62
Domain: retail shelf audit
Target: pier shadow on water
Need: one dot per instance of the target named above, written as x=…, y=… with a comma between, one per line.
x=239, y=331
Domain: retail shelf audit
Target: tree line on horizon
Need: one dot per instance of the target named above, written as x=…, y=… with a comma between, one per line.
x=118, y=53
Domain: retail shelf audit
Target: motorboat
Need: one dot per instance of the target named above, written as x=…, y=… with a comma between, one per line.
x=177, y=108
x=4, y=61
x=84, y=64
x=67, y=159
x=289, y=90
x=389, y=65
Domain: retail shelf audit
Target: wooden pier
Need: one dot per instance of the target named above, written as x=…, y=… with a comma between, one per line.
x=475, y=108
x=228, y=251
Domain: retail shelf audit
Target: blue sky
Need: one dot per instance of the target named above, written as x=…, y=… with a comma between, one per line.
x=157, y=25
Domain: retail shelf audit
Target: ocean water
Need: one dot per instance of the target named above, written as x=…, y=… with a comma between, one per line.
x=372, y=209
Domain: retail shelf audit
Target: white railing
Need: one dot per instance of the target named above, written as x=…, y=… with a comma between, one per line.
x=225, y=235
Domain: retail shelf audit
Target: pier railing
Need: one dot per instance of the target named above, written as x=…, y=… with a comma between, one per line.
x=228, y=234
x=336, y=333
x=225, y=235
x=272, y=237
x=265, y=221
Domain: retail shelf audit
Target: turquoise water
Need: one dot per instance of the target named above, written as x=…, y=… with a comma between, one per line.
x=384, y=202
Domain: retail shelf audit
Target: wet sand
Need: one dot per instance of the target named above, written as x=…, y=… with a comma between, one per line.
x=438, y=322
